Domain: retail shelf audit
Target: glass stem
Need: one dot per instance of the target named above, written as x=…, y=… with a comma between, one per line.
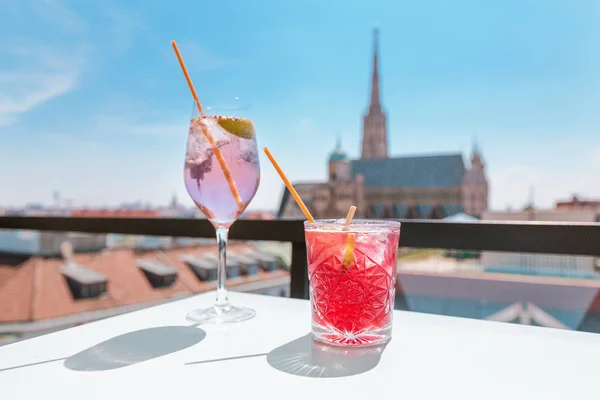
x=222, y=300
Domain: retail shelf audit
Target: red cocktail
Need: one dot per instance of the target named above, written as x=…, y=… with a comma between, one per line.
x=352, y=277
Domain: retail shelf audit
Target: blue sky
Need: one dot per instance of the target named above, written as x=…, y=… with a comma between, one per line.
x=94, y=105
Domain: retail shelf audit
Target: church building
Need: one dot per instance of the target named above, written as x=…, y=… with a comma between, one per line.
x=423, y=186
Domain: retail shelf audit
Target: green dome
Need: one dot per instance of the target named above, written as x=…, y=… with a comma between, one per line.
x=338, y=154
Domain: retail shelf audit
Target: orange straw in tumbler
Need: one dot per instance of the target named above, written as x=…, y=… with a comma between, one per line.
x=289, y=186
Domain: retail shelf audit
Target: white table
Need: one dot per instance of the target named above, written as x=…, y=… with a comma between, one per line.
x=155, y=354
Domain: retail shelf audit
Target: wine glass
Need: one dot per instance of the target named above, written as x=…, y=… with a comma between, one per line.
x=221, y=175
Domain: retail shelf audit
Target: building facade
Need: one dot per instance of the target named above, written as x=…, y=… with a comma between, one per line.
x=474, y=186
x=430, y=186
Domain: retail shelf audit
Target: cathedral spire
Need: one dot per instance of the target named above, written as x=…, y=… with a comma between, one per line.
x=476, y=154
x=476, y=147
x=374, y=140
x=375, y=77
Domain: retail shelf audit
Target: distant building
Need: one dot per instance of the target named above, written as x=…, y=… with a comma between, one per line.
x=432, y=186
x=118, y=213
x=577, y=204
x=174, y=204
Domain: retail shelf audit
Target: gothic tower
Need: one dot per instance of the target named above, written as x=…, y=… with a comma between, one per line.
x=374, y=141
x=474, y=187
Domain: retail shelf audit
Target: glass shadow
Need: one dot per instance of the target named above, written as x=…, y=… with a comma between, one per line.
x=135, y=347
x=307, y=357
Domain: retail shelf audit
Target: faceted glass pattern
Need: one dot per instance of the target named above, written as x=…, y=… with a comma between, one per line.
x=352, y=304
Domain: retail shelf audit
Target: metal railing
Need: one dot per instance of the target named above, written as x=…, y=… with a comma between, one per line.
x=522, y=237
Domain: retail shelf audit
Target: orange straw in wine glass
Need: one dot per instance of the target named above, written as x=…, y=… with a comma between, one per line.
x=215, y=149
x=289, y=186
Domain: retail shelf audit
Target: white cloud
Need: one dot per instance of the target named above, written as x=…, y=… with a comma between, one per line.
x=40, y=77
x=24, y=93
x=31, y=73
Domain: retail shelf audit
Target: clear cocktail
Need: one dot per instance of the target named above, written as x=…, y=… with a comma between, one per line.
x=352, y=276
x=206, y=181
x=221, y=175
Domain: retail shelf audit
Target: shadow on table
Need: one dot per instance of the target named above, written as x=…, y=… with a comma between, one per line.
x=31, y=364
x=134, y=347
x=226, y=359
x=306, y=357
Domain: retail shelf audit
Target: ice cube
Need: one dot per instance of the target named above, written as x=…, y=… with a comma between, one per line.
x=248, y=151
x=199, y=149
x=197, y=171
x=338, y=225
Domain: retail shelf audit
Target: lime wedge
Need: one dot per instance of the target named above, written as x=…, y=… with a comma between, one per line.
x=243, y=128
x=349, y=252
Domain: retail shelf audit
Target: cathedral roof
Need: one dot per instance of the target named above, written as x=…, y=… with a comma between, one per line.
x=416, y=171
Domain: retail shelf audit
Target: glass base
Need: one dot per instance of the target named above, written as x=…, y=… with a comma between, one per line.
x=334, y=337
x=220, y=315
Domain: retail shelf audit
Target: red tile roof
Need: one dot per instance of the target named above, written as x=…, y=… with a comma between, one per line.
x=35, y=289
x=16, y=292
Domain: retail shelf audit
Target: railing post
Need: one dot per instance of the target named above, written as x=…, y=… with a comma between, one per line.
x=299, y=271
